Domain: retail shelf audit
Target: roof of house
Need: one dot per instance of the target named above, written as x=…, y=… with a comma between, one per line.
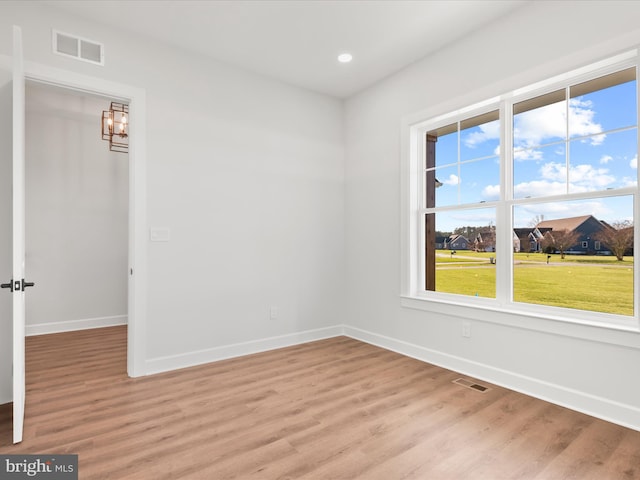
x=564, y=223
x=456, y=237
x=526, y=231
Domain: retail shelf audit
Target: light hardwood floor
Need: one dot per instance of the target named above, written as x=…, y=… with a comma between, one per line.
x=332, y=409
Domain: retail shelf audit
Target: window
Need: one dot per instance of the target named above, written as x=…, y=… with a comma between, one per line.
x=462, y=164
x=530, y=201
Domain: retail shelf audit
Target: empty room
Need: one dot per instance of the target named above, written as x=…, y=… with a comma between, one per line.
x=319, y=239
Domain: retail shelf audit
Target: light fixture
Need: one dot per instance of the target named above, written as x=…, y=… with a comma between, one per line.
x=345, y=57
x=115, y=127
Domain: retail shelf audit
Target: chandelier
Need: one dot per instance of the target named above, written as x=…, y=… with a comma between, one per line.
x=115, y=127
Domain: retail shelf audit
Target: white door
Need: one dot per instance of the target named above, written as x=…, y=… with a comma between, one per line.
x=17, y=284
x=18, y=237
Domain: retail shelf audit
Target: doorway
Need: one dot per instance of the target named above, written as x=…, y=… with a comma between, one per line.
x=137, y=219
x=16, y=68
x=76, y=214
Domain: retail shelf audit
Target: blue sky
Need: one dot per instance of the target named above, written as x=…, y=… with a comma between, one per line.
x=601, y=148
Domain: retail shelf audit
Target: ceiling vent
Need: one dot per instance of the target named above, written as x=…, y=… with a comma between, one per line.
x=79, y=48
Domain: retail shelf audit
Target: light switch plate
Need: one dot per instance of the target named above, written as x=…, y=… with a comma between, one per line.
x=159, y=234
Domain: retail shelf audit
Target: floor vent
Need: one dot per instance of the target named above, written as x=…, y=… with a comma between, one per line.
x=78, y=48
x=472, y=385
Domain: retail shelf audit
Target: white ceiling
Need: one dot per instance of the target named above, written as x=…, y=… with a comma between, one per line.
x=297, y=41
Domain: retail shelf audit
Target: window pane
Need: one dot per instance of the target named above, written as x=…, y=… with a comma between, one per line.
x=480, y=181
x=445, y=141
x=540, y=121
x=609, y=162
x=480, y=136
x=575, y=254
x=540, y=172
x=603, y=104
x=465, y=252
x=447, y=181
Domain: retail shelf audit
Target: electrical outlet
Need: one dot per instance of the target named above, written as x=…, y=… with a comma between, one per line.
x=466, y=329
x=273, y=312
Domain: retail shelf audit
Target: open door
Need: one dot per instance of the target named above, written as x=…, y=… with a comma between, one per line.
x=18, y=237
x=17, y=284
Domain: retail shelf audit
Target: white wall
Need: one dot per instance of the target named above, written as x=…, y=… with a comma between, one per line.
x=586, y=368
x=76, y=214
x=248, y=174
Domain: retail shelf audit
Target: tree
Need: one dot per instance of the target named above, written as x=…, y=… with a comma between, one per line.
x=560, y=240
x=617, y=237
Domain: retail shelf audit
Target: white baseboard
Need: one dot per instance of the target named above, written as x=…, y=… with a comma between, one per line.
x=599, y=407
x=173, y=362
x=71, y=325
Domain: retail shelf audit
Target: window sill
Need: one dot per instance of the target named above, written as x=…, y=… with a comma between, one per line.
x=482, y=310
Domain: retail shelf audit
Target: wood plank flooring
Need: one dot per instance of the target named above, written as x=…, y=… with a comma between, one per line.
x=332, y=409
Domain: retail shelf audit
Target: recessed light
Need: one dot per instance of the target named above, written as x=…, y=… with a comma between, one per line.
x=345, y=57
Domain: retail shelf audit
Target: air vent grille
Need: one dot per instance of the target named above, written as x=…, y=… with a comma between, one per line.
x=79, y=48
x=472, y=385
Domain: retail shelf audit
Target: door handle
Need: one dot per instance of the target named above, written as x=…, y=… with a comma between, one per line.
x=26, y=284
x=7, y=285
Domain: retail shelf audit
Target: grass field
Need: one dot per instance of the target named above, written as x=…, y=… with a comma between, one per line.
x=595, y=283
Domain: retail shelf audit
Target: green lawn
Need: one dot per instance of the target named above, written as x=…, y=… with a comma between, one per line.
x=598, y=283
x=586, y=287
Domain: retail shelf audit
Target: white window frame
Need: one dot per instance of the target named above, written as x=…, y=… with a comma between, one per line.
x=572, y=322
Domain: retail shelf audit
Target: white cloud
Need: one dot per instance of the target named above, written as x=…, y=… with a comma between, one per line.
x=554, y=171
x=581, y=120
x=553, y=181
x=605, y=159
x=634, y=162
x=590, y=177
x=487, y=131
x=583, y=177
x=540, y=125
x=527, y=154
x=534, y=126
x=452, y=180
x=491, y=192
x=538, y=188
